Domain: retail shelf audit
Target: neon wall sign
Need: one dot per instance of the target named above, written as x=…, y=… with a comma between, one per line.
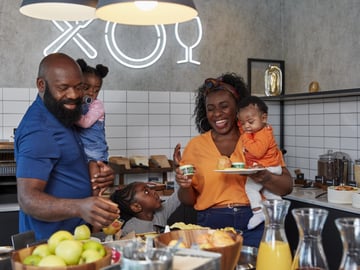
x=71, y=31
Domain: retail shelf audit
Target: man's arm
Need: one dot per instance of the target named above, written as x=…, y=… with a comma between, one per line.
x=35, y=202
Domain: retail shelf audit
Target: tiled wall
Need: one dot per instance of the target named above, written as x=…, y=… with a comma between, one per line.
x=137, y=122
x=312, y=127
x=150, y=123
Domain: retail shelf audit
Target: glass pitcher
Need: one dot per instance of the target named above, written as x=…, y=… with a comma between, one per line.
x=274, y=250
x=349, y=229
x=310, y=253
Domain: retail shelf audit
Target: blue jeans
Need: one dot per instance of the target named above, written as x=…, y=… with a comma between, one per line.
x=236, y=217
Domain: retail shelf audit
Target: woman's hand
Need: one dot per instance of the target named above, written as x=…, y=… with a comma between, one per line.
x=261, y=177
x=184, y=181
x=186, y=193
x=177, y=155
x=278, y=184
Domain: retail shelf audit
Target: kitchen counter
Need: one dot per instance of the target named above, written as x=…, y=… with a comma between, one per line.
x=9, y=207
x=307, y=195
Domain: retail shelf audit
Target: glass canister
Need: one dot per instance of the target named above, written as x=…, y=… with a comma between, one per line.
x=274, y=250
x=349, y=229
x=326, y=165
x=357, y=172
x=310, y=253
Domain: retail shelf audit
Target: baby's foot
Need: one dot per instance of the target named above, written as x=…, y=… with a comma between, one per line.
x=256, y=219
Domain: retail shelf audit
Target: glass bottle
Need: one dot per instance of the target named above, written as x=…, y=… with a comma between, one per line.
x=349, y=229
x=274, y=250
x=310, y=254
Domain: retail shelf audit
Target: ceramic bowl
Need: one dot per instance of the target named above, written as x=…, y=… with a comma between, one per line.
x=187, y=169
x=356, y=200
x=229, y=254
x=341, y=194
x=238, y=165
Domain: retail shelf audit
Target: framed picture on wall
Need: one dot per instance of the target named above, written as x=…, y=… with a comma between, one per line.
x=266, y=77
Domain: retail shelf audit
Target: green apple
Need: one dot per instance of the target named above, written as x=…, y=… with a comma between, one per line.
x=52, y=261
x=113, y=228
x=32, y=260
x=42, y=250
x=70, y=251
x=57, y=237
x=82, y=232
x=90, y=255
x=94, y=245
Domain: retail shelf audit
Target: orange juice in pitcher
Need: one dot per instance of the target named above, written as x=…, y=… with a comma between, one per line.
x=274, y=250
x=274, y=255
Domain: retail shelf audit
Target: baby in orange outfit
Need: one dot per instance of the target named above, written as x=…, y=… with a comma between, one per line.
x=260, y=149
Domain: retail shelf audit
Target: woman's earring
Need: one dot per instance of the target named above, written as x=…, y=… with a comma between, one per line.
x=206, y=128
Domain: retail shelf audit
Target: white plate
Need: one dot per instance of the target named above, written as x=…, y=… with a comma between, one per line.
x=240, y=171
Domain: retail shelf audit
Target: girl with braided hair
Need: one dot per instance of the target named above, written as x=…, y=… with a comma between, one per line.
x=142, y=208
x=92, y=121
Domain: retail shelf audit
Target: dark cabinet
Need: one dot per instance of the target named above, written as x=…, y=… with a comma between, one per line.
x=330, y=236
x=9, y=225
x=9, y=216
x=183, y=213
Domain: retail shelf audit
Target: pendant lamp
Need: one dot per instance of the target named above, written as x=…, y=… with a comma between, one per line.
x=146, y=12
x=59, y=10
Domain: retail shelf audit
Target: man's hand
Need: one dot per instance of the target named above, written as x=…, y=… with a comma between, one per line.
x=99, y=212
x=104, y=178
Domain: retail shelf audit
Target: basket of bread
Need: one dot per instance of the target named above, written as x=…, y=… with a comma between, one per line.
x=224, y=241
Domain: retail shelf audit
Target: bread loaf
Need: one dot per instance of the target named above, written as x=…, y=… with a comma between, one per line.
x=223, y=163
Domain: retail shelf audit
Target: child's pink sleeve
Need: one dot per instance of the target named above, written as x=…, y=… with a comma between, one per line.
x=96, y=113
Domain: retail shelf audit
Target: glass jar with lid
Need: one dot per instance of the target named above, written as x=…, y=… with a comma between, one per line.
x=357, y=172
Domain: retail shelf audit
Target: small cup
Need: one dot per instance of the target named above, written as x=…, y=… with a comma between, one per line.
x=238, y=165
x=187, y=169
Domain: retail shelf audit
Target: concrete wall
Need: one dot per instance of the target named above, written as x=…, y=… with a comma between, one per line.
x=149, y=109
x=231, y=34
x=321, y=42
x=318, y=39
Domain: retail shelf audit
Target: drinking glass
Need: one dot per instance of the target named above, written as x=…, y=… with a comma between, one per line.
x=349, y=229
x=310, y=253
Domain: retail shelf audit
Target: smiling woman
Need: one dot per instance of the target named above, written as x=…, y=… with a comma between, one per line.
x=219, y=198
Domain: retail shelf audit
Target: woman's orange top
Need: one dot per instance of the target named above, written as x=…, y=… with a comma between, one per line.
x=214, y=188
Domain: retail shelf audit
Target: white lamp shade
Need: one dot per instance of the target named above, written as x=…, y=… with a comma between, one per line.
x=59, y=10
x=165, y=12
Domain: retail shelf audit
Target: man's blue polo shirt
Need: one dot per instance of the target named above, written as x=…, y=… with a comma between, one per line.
x=45, y=149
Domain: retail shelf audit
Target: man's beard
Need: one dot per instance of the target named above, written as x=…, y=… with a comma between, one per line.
x=65, y=116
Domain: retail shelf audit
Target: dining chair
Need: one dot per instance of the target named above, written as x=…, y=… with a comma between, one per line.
x=23, y=240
